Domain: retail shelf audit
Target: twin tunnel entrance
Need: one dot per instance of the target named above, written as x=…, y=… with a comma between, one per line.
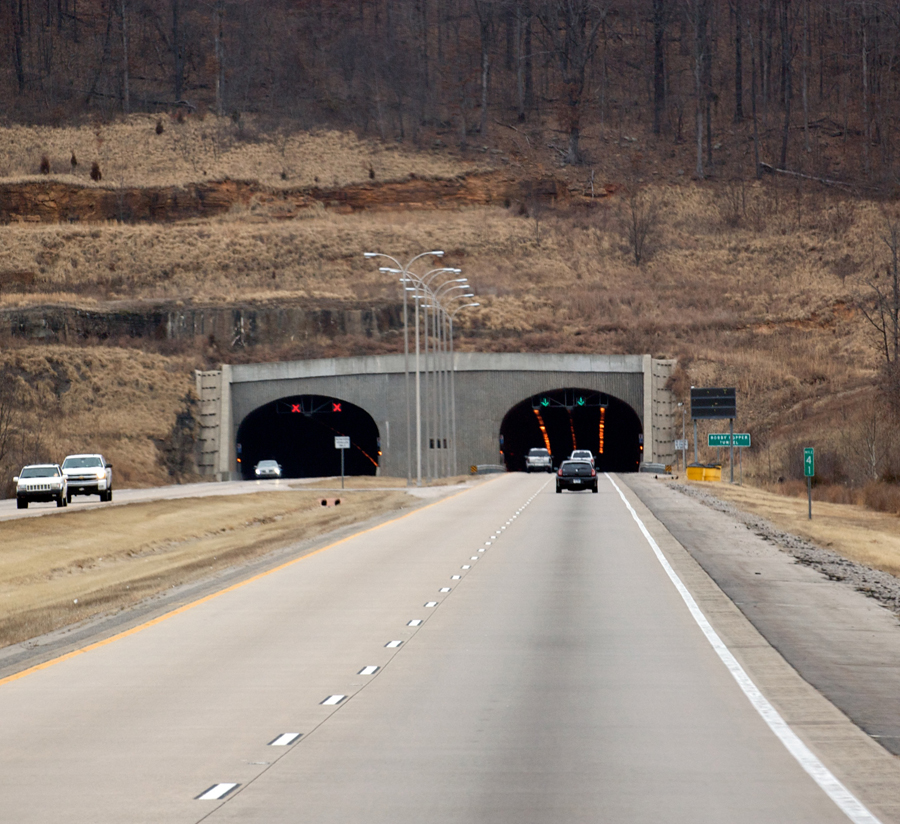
x=299, y=433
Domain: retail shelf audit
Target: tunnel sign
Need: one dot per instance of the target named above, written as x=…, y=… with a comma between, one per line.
x=579, y=401
x=545, y=402
x=335, y=407
x=341, y=441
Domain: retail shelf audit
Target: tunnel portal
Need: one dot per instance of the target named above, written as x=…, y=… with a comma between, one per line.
x=562, y=420
x=299, y=433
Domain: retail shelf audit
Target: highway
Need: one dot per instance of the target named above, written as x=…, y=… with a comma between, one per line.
x=504, y=654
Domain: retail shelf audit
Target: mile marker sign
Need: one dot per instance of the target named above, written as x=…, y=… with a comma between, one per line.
x=809, y=470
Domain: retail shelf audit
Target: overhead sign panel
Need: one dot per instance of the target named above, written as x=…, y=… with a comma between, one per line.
x=713, y=404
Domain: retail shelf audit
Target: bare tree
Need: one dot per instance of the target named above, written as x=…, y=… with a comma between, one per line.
x=572, y=27
x=880, y=306
x=640, y=217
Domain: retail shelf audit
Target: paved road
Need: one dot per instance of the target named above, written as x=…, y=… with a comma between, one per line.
x=559, y=677
x=8, y=510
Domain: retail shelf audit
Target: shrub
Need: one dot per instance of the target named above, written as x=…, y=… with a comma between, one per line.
x=45, y=165
x=96, y=174
x=882, y=497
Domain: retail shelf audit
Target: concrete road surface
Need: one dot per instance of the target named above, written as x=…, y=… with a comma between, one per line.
x=503, y=655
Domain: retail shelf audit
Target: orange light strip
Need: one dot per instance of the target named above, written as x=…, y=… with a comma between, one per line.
x=572, y=430
x=602, y=429
x=543, y=430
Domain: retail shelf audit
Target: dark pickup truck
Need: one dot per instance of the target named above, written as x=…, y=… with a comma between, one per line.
x=576, y=475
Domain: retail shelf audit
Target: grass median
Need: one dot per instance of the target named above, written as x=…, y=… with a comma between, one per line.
x=71, y=566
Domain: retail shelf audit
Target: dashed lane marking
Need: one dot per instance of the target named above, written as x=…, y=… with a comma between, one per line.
x=216, y=792
x=285, y=739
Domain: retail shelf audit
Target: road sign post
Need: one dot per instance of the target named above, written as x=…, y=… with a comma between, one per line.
x=809, y=470
x=342, y=442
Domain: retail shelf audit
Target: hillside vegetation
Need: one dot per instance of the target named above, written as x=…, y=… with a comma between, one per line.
x=708, y=181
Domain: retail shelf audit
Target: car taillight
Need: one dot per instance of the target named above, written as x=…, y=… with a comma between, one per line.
x=560, y=472
x=593, y=472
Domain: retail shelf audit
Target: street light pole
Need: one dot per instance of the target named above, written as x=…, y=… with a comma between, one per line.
x=404, y=272
x=450, y=317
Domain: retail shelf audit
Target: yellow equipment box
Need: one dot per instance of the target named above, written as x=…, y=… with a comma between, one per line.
x=708, y=472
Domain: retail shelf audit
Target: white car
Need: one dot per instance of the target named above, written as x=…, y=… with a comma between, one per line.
x=41, y=482
x=88, y=474
x=267, y=469
x=582, y=455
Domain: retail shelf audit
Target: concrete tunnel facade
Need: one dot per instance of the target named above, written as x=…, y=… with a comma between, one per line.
x=488, y=387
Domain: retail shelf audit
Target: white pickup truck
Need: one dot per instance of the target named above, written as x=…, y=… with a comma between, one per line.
x=538, y=460
x=88, y=475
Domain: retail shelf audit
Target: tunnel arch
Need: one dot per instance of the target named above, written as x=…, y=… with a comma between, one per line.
x=299, y=431
x=572, y=418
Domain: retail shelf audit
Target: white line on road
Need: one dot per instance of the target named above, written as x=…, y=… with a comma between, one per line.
x=285, y=739
x=444, y=589
x=848, y=803
x=216, y=791
x=393, y=644
x=455, y=577
x=331, y=700
x=431, y=605
x=416, y=622
x=371, y=670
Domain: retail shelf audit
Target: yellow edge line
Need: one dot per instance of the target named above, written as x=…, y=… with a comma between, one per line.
x=165, y=617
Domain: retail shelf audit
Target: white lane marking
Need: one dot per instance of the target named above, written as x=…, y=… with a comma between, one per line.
x=848, y=803
x=216, y=791
x=393, y=644
x=466, y=566
x=444, y=589
x=331, y=700
x=474, y=558
x=486, y=543
x=416, y=622
x=455, y=577
x=371, y=670
x=431, y=605
x=285, y=739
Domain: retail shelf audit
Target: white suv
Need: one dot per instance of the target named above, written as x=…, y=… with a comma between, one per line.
x=88, y=475
x=41, y=482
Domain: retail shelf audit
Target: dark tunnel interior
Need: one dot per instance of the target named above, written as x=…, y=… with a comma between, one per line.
x=299, y=433
x=566, y=419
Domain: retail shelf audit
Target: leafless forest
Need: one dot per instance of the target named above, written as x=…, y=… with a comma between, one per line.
x=807, y=86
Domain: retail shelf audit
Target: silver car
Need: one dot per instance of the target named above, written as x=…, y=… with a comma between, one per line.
x=41, y=482
x=268, y=469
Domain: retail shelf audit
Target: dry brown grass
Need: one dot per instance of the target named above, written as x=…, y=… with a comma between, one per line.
x=870, y=538
x=121, y=402
x=203, y=147
x=54, y=571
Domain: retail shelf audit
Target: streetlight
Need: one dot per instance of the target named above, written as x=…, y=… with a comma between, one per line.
x=404, y=272
x=421, y=284
x=450, y=317
x=443, y=297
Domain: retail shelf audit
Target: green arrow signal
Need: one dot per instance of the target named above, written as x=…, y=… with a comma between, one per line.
x=545, y=402
x=580, y=402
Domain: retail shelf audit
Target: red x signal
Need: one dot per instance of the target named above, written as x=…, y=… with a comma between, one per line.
x=295, y=407
x=335, y=407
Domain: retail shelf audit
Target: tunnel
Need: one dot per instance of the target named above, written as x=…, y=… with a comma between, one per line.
x=565, y=419
x=299, y=433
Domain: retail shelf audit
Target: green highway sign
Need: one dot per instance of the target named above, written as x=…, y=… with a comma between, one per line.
x=724, y=439
x=809, y=462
